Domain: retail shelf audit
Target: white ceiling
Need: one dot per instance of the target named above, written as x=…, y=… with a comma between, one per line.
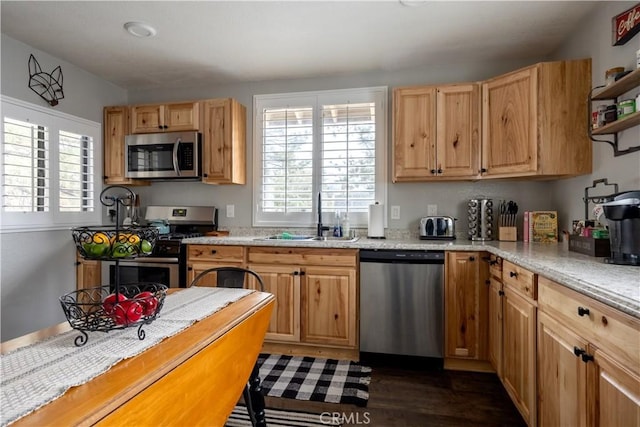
x=217, y=42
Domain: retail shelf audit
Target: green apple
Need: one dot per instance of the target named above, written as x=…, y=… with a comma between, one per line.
x=145, y=247
x=121, y=250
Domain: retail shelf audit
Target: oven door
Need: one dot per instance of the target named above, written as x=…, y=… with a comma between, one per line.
x=143, y=270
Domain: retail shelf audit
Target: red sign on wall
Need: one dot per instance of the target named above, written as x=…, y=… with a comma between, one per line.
x=626, y=25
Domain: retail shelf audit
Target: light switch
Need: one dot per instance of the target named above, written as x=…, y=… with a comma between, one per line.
x=395, y=212
x=231, y=211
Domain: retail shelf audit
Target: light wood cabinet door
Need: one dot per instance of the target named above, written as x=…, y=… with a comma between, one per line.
x=562, y=375
x=414, y=133
x=458, y=130
x=115, y=128
x=174, y=117
x=509, y=124
x=147, y=118
x=466, y=306
x=88, y=273
x=224, y=142
x=328, y=307
x=519, y=353
x=284, y=283
x=495, y=325
x=617, y=393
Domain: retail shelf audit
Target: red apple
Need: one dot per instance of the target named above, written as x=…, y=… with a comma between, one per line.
x=148, y=301
x=127, y=312
x=110, y=301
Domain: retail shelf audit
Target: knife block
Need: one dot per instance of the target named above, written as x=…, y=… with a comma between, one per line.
x=508, y=234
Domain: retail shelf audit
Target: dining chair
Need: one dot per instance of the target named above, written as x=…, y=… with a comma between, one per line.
x=238, y=277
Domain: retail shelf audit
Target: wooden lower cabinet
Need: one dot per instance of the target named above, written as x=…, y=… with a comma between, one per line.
x=328, y=300
x=562, y=378
x=283, y=283
x=316, y=311
x=494, y=348
x=519, y=353
x=88, y=273
x=466, y=295
x=588, y=361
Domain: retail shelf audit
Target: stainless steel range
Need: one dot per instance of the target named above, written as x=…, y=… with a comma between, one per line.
x=167, y=263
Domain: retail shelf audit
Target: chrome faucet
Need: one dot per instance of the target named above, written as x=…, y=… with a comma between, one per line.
x=321, y=228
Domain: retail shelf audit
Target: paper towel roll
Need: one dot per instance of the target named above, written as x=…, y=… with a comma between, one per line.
x=376, y=221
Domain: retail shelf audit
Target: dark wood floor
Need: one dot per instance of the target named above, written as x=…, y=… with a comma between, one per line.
x=403, y=394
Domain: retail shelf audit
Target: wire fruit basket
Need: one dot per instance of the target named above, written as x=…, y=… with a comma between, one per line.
x=109, y=242
x=103, y=309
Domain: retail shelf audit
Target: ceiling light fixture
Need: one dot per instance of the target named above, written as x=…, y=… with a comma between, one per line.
x=140, y=29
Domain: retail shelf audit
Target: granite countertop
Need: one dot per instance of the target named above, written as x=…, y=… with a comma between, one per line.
x=615, y=285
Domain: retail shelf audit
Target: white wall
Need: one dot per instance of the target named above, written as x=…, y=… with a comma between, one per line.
x=593, y=39
x=36, y=268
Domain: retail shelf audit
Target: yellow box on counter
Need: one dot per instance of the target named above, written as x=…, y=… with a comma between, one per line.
x=543, y=226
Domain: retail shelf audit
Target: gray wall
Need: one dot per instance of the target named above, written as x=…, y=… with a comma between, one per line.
x=37, y=267
x=593, y=39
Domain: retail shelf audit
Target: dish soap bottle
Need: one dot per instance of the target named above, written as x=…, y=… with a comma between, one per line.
x=337, y=225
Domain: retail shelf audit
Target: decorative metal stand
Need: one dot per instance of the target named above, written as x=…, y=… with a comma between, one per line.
x=120, y=306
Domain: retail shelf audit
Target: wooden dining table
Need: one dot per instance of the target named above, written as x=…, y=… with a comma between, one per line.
x=193, y=378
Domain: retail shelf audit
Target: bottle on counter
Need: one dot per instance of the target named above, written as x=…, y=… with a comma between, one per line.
x=337, y=225
x=346, y=229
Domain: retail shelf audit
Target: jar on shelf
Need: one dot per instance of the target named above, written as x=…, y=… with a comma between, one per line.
x=611, y=73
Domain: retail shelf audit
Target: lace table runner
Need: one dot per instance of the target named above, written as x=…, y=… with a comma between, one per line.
x=35, y=375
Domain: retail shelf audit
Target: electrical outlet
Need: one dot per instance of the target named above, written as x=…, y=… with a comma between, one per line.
x=231, y=211
x=432, y=210
x=395, y=212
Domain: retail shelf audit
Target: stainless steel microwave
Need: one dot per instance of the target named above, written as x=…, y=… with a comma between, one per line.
x=168, y=155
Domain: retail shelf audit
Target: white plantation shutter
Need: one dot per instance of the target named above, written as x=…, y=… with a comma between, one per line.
x=76, y=172
x=333, y=142
x=25, y=160
x=349, y=156
x=49, y=168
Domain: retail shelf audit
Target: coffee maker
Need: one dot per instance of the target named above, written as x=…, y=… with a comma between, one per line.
x=623, y=214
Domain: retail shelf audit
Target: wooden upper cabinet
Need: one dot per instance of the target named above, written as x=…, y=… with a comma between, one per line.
x=436, y=132
x=224, y=142
x=533, y=121
x=115, y=128
x=174, y=117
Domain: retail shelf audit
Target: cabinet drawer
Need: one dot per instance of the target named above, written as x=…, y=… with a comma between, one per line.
x=304, y=256
x=215, y=253
x=519, y=279
x=615, y=332
x=495, y=266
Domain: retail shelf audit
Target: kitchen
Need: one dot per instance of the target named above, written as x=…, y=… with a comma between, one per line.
x=22, y=285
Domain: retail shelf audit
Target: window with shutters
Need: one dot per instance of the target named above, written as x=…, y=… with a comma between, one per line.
x=49, y=172
x=327, y=142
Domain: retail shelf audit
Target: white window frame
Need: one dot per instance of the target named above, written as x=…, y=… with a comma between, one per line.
x=316, y=99
x=55, y=121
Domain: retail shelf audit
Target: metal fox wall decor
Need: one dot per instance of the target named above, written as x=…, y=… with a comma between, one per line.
x=48, y=86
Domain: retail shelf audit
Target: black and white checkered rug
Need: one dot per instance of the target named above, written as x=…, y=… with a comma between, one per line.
x=309, y=378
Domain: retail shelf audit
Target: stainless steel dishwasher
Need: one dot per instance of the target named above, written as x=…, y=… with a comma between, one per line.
x=402, y=302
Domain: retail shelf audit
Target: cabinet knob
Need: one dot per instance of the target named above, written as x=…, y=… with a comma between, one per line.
x=296, y=273
x=439, y=170
x=487, y=282
x=578, y=351
x=513, y=274
x=302, y=273
x=190, y=268
x=159, y=126
x=205, y=175
x=583, y=311
x=501, y=293
x=483, y=170
x=433, y=171
x=213, y=251
x=587, y=357
x=472, y=258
